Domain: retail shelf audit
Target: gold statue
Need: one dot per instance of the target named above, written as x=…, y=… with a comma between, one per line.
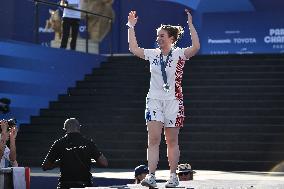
x=98, y=26
x=54, y=23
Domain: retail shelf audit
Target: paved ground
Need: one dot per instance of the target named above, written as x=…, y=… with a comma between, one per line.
x=220, y=180
x=203, y=179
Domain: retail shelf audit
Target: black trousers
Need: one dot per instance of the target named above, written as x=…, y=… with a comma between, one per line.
x=73, y=184
x=73, y=24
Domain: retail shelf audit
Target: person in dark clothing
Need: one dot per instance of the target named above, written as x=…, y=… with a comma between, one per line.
x=73, y=154
x=71, y=19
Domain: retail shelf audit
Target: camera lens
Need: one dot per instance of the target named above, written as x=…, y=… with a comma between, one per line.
x=12, y=122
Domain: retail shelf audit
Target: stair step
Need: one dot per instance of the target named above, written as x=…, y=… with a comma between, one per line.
x=140, y=128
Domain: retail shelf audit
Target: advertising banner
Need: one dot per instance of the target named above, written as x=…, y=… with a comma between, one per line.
x=242, y=33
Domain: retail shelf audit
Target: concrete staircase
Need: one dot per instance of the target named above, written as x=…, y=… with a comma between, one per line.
x=234, y=114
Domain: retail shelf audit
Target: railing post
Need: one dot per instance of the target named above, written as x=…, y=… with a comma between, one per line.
x=87, y=33
x=111, y=38
x=36, y=24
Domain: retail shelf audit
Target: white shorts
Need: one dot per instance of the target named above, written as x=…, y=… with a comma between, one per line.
x=169, y=112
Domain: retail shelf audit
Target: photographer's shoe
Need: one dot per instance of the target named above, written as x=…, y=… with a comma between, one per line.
x=172, y=182
x=149, y=181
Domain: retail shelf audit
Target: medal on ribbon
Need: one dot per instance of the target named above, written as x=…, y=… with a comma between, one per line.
x=166, y=87
x=163, y=63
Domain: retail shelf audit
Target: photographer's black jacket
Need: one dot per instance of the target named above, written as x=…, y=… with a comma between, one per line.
x=74, y=153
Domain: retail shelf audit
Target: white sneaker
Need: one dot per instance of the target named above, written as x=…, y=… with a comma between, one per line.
x=172, y=182
x=149, y=181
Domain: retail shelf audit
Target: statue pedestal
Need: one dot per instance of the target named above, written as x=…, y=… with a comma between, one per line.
x=80, y=46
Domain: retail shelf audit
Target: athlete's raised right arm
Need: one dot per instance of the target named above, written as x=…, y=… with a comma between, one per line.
x=132, y=41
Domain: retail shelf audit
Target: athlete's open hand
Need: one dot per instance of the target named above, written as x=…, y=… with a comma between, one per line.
x=132, y=18
x=189, y=16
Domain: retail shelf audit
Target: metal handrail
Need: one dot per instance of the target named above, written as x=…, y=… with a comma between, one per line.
x=36, y=26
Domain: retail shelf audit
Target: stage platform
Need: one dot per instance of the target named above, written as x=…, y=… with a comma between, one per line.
x=203, y=179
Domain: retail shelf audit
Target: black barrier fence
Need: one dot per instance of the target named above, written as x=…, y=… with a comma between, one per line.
x=87, y=13
x=6, y=178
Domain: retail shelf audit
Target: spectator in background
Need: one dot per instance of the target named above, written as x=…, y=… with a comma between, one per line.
x=71, y=19
x=140, y=173
x=73, y=154
x=185, y=172
x=7, y=155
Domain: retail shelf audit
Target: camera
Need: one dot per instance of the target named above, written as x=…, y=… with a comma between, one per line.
x=4, y=105
x=11, y=123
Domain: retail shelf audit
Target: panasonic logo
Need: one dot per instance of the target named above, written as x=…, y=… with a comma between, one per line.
x=219, y=41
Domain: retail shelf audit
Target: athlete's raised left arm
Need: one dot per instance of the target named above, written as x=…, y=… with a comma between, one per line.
x=194, y=48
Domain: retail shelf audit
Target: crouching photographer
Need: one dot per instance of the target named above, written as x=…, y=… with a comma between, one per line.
x=8, y=133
